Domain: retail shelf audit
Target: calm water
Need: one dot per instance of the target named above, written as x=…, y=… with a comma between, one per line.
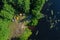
x=43, y=30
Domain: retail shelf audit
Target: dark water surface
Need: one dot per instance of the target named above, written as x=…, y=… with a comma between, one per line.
x=43, y=30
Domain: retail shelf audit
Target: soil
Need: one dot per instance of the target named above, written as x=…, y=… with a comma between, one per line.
x=17, y=28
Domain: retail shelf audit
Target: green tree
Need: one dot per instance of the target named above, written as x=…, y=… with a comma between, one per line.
x=16, y=6
x=26, y=6
x=20, y=2
x=26, y=34
x=34, y=22
x=37, y=14
x=36, y=10
x=7, y=11
x=4, y=29
x=37, y=6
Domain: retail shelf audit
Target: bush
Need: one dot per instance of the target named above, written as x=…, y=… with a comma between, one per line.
x=26, y=34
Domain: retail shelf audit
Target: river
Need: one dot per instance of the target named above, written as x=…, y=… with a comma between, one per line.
x=43, y=30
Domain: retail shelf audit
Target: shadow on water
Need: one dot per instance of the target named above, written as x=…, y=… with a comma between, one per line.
x=43, y=28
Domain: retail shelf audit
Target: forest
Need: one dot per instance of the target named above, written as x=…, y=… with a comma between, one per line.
x=10, y=13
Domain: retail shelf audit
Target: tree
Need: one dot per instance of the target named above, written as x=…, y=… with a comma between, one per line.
x=34, y=22
x=4, y=29
x=26, y=34
x=37, y=6
x=16, y=6
x=20, y=2
x=36, y=10
x=26, y=6
x=37, y=14
x=7, y=11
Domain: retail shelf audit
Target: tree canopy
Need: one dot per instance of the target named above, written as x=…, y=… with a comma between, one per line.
x=4, y=29
x=7, y=11
x=13, y=7
x=26, y=34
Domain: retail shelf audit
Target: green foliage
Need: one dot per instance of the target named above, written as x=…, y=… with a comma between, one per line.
x=36, y=11
x=37, y=14
x=34, y=22
x=38, y=4
x=4, y=1
x=7, y=11
x=4, y=29
x=20, y=2
x=26, y=6
x=20, y=6
x=26, y=34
